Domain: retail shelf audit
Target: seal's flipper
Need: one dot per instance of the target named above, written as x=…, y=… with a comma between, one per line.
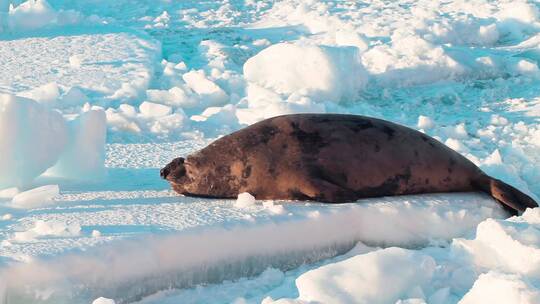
x=327, y=192
x=507, y=195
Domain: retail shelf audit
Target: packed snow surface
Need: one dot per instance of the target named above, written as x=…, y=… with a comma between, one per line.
x=97, y=96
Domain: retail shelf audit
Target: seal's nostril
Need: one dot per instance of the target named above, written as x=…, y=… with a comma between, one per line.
x=163, y=173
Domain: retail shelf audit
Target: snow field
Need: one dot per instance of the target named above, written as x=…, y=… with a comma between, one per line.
x=454, y=274
x=312, y=233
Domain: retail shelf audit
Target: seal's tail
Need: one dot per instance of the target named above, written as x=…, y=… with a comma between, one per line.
x=510, y=197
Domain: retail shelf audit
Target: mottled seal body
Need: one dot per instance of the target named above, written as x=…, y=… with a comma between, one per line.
x=331, y=158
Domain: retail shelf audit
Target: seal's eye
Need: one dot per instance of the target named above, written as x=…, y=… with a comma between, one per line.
x=164, y=172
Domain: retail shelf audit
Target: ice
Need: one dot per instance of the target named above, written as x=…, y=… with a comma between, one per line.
x=37, y=197
x=51, y=228
x=208, y=91
x=9, y=192
x=73, y=97
x=425, y=122
x=256, y=230
x=102, y=300
x=383, y=276
x=150, y=109
x=245, y=200
x=323, y=73
x=499, y=288
x=511, y=245
x=30, y=15
x=32, y=138
x=84, y=155
x=46, y=94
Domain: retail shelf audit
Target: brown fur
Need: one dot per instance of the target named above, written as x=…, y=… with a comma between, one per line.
x=330, y=158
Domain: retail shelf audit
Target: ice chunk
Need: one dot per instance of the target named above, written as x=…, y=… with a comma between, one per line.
x=244, y=200
x=73, y=97
x=84, y=156
x=36, y=197
x=31, y=140
x=497, y=288
x=31, y=15
x=168, y=123
x=175, y=96
x=150, y=109
x=47, y=228
x=207, y=89
x=46, y=94
x=9, y=192
x=273, y=208
x=425, y=122
x=382, y=276
x=323, y=73
x=504, y=245
x=102, y=300
x=456, y=145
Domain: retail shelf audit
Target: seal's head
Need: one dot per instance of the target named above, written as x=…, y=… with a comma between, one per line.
x=175, y=171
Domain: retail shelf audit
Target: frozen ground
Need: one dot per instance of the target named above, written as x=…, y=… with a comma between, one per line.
x=160, y=79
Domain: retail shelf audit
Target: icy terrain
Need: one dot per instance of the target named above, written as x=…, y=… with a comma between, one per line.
x=96, y=96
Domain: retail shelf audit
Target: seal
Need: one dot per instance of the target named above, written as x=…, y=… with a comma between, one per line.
x=331, y=158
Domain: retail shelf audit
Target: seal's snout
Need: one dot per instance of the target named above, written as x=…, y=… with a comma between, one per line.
x=164, y=172
x=175, y=169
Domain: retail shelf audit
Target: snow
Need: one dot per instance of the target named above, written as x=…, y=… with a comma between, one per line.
x=101, y=94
